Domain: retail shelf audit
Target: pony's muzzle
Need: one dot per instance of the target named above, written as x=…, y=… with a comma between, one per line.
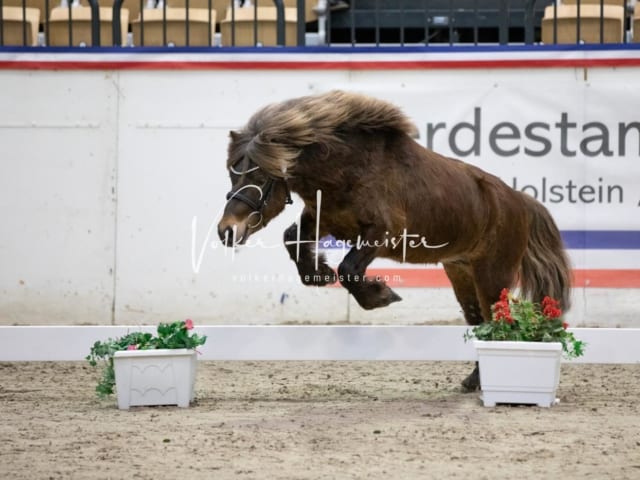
x=233, y=232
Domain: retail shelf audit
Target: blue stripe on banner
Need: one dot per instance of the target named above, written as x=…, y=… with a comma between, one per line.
x=602, y=239
x=573, y=239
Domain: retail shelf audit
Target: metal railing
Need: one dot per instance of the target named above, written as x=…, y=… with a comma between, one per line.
x=365, y=22
x=436, y=21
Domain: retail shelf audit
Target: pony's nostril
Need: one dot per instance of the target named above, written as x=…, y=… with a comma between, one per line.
x=226, y=236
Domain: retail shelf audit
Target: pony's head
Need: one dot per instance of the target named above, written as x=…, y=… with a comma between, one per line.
x=259, y=190
x=267, y=151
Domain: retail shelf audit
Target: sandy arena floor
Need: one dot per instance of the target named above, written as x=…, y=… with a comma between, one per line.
x=304, y=420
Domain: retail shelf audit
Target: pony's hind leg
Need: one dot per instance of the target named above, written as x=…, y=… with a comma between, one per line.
x=370, y=293
x=489, y=278
x=491, y=275
x=298, y=242
x=464, y=287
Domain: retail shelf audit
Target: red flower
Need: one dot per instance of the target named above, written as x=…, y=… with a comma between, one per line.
x=504, y=315
x=504, y=295
x=550, y=308
x=565, y=325
x=188, y=323
x=132, y=347
x=501, y=310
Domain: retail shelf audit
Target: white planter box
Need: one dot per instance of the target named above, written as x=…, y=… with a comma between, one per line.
x=155, y=377
x=519, y=372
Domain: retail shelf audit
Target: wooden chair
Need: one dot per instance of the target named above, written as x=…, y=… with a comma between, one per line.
x=39, y=4
x=81, y=26
x=567, y=24
x=309, y=14
x=19, y=24
x=220, y=6
x=132, y=5
x=619, y=3
x=200, y=30
x=241, y=33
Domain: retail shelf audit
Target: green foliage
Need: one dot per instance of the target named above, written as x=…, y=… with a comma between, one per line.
x=169, y=335
x=518, y=320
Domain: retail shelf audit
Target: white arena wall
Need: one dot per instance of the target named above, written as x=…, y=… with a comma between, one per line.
x=112, y=177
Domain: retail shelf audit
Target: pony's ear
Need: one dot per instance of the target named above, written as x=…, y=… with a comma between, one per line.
x=234, y=135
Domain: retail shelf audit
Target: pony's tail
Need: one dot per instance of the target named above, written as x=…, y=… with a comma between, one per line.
x=545, y=268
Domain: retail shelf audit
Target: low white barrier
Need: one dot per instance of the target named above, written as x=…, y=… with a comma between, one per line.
x=323, y=342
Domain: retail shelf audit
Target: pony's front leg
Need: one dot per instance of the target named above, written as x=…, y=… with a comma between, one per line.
x=299, y=243
x=369, y=292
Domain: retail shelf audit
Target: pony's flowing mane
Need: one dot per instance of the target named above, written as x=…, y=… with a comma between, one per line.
x=275, y=135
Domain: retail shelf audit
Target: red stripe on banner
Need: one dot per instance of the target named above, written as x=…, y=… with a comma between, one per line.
x=436, y=278
x=606, y=278
x=317, y=65
x=411, y=277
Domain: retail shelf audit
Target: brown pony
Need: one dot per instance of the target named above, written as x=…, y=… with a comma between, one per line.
x=364, y=179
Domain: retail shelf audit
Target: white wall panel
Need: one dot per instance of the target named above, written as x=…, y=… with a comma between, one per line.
x=103, y=173
x=58, y=137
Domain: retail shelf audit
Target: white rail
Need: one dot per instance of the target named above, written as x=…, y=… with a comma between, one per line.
x=308, y=342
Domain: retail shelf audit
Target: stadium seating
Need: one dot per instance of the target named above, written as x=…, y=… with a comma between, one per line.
x=265, y=20
x=39, y=4
x=309, y=14
x=589, y=23
x=636, y=23
x=220, y=6
x=132, y=5
x=81, y=26
x=202, y=27
x=619, y=3
x=366, y=22
x=17, y=31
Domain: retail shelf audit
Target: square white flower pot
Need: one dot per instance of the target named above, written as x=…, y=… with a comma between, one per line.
x=519, y=372
x=155, y=377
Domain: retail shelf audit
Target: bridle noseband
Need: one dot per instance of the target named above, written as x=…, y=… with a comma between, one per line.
x=265, y=195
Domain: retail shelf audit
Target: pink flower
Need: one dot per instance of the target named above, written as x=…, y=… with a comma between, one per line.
x=188, y=323
x=132, y=347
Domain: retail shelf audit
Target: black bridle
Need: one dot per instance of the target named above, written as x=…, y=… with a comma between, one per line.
x=265, y=195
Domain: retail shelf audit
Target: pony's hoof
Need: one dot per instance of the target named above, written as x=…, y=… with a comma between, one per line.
x=472, y=382
x=384, y=298
x=394, y=297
